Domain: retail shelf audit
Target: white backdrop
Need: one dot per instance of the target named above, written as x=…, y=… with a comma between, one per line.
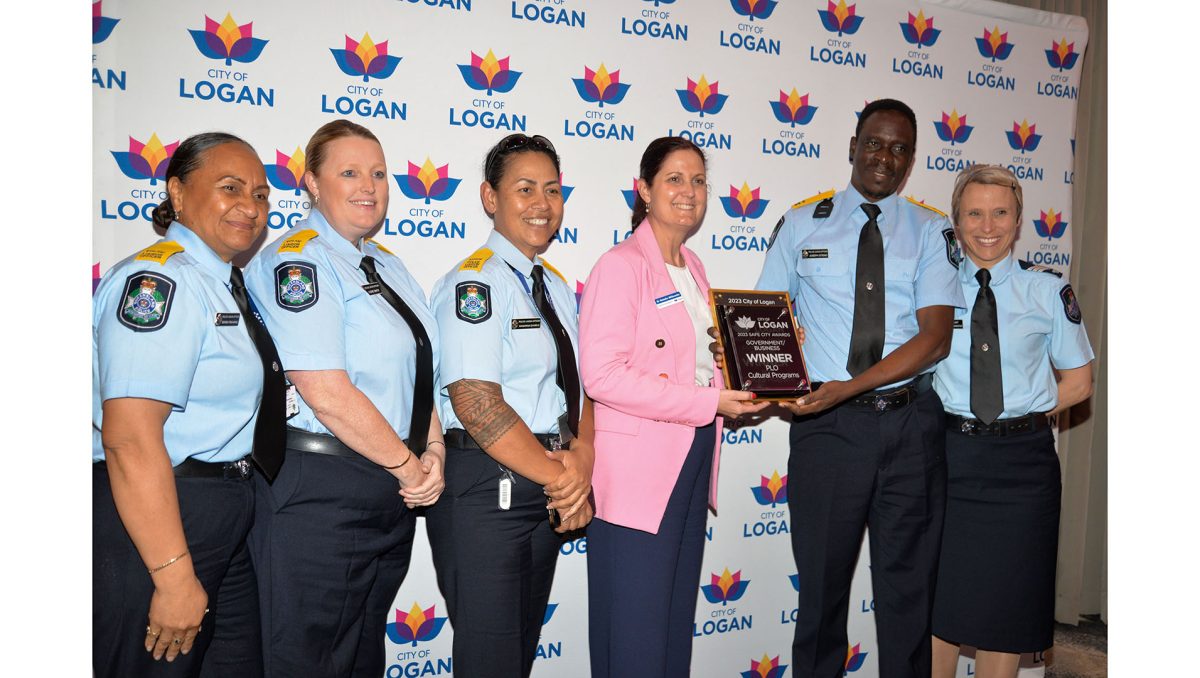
x=771, y=88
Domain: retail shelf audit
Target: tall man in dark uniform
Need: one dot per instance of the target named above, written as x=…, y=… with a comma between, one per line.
x=875, y=285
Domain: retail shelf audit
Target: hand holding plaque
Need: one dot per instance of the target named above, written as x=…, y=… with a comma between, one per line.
x=760, y=343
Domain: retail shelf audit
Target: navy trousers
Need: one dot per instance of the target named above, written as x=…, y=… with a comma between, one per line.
x=642, y=587
x=494, y=568
x=331, y=544
x=852, y=468
x=216, y=514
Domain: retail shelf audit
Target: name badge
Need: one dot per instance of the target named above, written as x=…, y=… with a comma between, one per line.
x=958, y=323
x=526, y=323
x=228, y=319
x=372, y=288
x=814, y=254
x=669, y=300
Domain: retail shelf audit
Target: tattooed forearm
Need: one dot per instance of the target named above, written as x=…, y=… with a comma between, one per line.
x=480, y=407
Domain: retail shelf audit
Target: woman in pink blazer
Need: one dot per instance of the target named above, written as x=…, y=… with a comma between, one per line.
x=645, y=363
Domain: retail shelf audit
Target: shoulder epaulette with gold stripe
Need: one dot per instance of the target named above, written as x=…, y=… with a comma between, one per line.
x=553, y=270
x=815, y=198
x=296, y=242
x=159, y=252
x=476, y=261
x=919, y=203
x=381, y=248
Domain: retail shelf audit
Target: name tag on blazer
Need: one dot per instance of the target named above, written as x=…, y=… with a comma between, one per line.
x=669, y=300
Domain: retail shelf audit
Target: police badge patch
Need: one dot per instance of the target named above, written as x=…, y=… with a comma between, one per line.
x=953, y=251
x=146, y=301
x=1070, y=304
x=474, y=301
x=295, y=285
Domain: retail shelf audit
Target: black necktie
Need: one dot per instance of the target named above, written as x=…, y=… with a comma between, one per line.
x=422, y=402
x=987, y=386
x=568, y=372
x=866, y=337
x=270, y=432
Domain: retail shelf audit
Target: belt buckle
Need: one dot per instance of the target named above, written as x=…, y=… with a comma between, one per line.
x=238, y=469
x=555, y=442
x=881, y=403
x=968, y=426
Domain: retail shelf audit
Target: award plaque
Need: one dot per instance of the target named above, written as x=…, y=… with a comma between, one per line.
x=760, y=342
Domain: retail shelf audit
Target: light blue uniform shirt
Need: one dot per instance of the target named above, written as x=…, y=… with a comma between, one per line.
x=815, y=261
x=327, y=321
x=176, y=351
x=1034, y=312
x=495, y=347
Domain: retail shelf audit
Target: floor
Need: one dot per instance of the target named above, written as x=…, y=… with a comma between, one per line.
x=1080, y=651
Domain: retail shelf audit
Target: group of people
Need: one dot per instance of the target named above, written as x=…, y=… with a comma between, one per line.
x=263, y=441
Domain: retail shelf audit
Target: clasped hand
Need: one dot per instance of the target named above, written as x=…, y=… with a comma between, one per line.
x=570, y=492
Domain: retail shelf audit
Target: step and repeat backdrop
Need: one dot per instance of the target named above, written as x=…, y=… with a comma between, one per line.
x=769, y=88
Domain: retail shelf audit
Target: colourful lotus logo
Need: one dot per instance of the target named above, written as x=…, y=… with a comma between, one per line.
x=754, y=9
x=1024, y=137
x=701, y=97
x=145, y=161
x=1050, y=225
x=855, y=658
x=766, y=668
x=744, y=203
x=840, y=19
x=600, y=86
x=1062, y=56
x=994, y=45
x=566, y=190
x=102, y=26
x=287, y=174
x=489, y=74
x=365, y=58
x=415, y=627
x=953, y=128
x=772, y=491
x=427, y=182
x=919, y=31
x=725, y=588
x=95, y=276
x=793, y=108
x=229, y=41
x=631, y=195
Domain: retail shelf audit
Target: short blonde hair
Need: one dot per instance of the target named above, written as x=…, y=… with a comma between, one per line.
x=991, y=175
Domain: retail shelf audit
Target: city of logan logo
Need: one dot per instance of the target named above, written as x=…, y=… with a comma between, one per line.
x=765, y=668
x=287, y=173
x=725, y=588
x=701, y=97
x=994, y=45
x=840, y=18
x=771, y=491
x=415, y=626
x=102, y=26
x=427, y=182
x=1062, y=55
x=145, y=160
x=1023, y=137
x=793, y=108
x=227, y=41
x=489, y=74
x=744, y=203
x=600, y=86
x=1050, y=225
x=953, y=128
x=919, y=31
x=754, y=9
x=365, y=58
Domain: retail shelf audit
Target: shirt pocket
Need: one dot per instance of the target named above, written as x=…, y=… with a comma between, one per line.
x=826, y=267
x=900, y=269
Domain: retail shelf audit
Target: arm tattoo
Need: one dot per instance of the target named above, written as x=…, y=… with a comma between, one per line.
x=480, y=407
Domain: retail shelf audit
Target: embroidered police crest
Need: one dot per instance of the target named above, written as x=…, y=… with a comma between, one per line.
x=474, y=304
x=953, y=251
x=295, y=285
x=1070, y=304
x=146, y=301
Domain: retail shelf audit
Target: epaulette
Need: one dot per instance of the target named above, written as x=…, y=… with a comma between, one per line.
x=815, y=198
x=1030, y=266
x=919, y=203
x=476, y=261
x=379, y=246
x=297, y=241
x=553, y=270
x=159, y=252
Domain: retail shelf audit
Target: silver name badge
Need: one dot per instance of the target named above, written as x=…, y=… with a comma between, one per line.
x=504, y=498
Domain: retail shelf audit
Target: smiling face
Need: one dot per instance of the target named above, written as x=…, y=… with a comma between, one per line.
x=351, y=188
x=987, y=223
x=224, y=200
x=527, y=206
x=678, y=194
x=881, y=154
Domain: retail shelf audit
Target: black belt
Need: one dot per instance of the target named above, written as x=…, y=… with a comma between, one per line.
x=319, y=443
x=1001, y=427
x=457, y=437
x=892, y=399
x=194, y=468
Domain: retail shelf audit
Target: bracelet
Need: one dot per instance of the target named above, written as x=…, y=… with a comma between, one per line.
x=435, y=442
x=406, y=460
x=168, y=563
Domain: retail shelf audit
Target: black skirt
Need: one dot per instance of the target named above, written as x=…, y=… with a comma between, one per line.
x=995, y=585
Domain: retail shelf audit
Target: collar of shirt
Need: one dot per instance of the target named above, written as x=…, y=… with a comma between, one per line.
x=1000, y=271
x=317, y=222
x=511, y=255
x=849, y=210
x=199, y=250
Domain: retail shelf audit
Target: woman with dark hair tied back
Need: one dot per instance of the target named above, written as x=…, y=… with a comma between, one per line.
x=186, y=393
x=518, y=427
x=333, y=537
x=644, y=322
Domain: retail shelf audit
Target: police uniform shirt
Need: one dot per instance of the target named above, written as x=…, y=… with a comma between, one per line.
x=165, y=327
x=815, y=258
x=1040, y=328
x=492, y=331
x=323, y=316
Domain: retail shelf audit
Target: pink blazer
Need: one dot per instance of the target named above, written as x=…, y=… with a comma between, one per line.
x=638, y=364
